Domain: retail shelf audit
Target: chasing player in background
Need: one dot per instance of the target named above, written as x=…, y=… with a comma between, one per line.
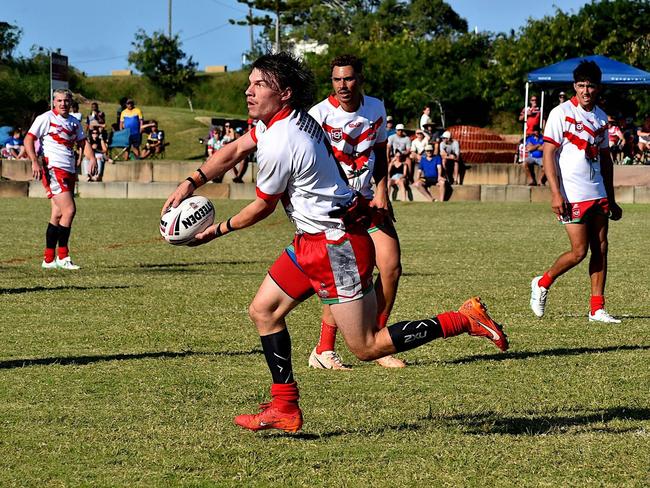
x=58, y=132
x=579, y=169
x=356, y=127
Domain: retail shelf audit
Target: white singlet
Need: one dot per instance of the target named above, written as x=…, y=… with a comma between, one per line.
x=353, y=136
x=58, y=136
x=579, y=136
x=296, y=164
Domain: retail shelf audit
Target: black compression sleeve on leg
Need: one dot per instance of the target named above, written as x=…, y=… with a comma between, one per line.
x=64, y=236
x=51, y=235
x=277, y=351
x=413, y=333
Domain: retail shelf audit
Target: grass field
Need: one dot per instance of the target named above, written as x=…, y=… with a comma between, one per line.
x=129, y=371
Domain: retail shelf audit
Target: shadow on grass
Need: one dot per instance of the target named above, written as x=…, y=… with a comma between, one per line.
x=545, y=353
x=84, y=360
x=202, y=263
x=32, y=289
x=492, y=423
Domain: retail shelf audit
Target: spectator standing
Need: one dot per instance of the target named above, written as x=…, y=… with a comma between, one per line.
x=429, y=174
x=131, y=118
x=214, y=142
x=580, y=173
x=643, y=134
x=74, y=111
x=390, y=126
x=450, y=154
x=534, y=151
x=59, y=132
x=561, y=98
x=534, y=115
x=425, y=118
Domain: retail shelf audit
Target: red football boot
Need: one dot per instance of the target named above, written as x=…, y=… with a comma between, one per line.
x=271, y=417
x=481, y=324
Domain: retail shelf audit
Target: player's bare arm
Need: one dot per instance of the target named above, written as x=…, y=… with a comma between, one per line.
x=216, y=165
x=252, y=213
x=30, y=149
x=607, y=170
x=558, y=205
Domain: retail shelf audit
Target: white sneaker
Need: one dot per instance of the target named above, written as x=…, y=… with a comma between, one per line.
x=66, y=263
x=50, y=265
x=326, y=360
x=602, y=316
x=390, y=362
x=537, y=297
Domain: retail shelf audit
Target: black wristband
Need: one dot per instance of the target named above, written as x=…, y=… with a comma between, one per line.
x=202, y=174
x=218, y=232
x=229, y=226
x=189, y=178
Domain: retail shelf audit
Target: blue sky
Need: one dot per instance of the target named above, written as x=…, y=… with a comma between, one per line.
x=96, y=35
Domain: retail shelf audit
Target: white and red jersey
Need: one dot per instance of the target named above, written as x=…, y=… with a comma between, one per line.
x=58, y=135
x=296, y=164
x=579, y=136
x=354, y=137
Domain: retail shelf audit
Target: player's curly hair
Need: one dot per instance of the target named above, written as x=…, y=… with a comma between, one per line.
x=587, y=71
x=282, y=70
x=348, y=60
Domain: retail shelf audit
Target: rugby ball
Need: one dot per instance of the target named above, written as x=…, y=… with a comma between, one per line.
x=179, y=225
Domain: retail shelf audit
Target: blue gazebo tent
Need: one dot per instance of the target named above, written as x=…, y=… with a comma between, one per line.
x=614, y=73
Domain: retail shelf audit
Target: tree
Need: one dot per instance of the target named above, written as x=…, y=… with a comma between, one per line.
x=9, y=39
x=160, y=59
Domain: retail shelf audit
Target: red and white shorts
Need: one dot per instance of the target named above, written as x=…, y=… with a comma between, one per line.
x=336, y=265
x=57, y=180
x=581, y=211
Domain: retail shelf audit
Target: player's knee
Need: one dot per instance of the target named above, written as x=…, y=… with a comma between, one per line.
x=579, y=253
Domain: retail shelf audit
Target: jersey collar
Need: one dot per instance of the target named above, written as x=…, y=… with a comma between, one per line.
x=282, y=114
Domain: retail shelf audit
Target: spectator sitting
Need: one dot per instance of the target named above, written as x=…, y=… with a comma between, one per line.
x=95, y=115
x=402, y=143
x=616, y=139
x=214, y=142
x=430, y=174
x=397, y=174
x=418, y=144
x=155, y=140
x=14, y=147
x=533, y=117
x=429, y=132
x=390, y=126
x=534, y=148
x=241, y=167
x=450, y=154
x=98, y=144
x=561, y=97
x=228, y=134
x=643, y=133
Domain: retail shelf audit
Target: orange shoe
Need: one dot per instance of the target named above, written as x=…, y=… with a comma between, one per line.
x=271, y=418
x=481, y=324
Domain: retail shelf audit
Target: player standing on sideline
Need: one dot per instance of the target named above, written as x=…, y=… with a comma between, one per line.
x=296, y=166
x=58, y=132
x=579, y=169
x=356, y=127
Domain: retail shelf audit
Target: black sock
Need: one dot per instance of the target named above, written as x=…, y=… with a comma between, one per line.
x=413, y=333
x=51, y=236
x=64, y=236
x=277, y=351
